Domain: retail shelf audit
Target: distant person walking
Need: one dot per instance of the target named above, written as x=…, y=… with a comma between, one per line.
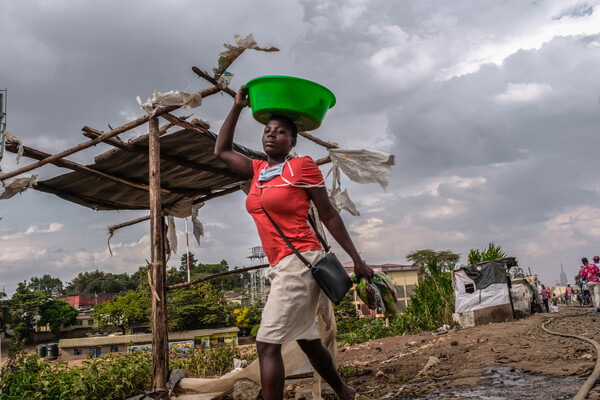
x=545, y=293
x=569, y=294
x=590, y=273
x=597, y=261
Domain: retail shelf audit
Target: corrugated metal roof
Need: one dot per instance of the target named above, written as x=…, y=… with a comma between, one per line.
x=139, y=339
x=187, y=184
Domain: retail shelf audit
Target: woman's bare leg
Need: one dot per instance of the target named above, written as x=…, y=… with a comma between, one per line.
x=272, y=373
x=321, y=360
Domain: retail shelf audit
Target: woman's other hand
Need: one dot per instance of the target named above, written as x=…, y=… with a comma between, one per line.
x=363, y=271
x=241, y=98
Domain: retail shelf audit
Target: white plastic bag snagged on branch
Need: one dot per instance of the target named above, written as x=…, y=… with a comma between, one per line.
x=198, y=229
x=363, y=166
x=228, y=56
x=339, y=198
x=172, y=98
x=14, y=137
x=16, y=186
x=172, y=233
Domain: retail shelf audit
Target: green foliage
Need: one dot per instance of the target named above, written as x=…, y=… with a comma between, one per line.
x=111, y=377
x=432, y=304
x=445, y=260
x=23, y=307
x=101, y=282
x=123, y=312
x=247, y=317
x=57, y=313
x=183, y=264
x=53, y=287
x=492, y=252
x=212, y=362
x=346, y=316
x=196, y=307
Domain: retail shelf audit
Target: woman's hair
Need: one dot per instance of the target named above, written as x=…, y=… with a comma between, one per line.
x=288, y=122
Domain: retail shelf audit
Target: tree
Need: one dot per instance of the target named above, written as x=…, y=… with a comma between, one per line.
x=174, y=276
x=57, y=314
x=445, y=260
x=123, y=312
x=24, y=306
x=183, y=264
x=53, y=287
x=196, y=307
x=492, y=252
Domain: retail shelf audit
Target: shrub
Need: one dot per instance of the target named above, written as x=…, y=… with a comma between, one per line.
x=111, y=377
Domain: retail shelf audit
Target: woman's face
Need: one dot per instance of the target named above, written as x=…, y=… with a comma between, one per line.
x=277, y=139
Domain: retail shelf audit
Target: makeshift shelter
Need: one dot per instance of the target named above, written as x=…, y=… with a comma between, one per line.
x=482, y=292
x=173, y=174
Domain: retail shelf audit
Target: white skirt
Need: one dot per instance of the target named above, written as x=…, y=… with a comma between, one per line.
x=290, y=311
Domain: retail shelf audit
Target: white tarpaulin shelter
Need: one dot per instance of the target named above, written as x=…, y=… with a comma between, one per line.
x=482, y=293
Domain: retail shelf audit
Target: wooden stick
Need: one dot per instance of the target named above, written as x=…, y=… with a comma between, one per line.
x=117, y=142
x=323, y=143
x=85, y=145
x=217, y=194
x=112, y=229
x=160, y=348
x=323, y=160
x=210, y=79
x=40, y=155
x=213, y=276
x=176, y=121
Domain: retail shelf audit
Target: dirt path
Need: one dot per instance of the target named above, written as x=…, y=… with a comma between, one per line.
x=516, y=353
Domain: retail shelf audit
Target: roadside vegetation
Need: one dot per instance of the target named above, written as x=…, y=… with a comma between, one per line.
x=201, y=306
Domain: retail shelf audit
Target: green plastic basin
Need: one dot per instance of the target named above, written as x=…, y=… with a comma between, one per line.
x=303, y=101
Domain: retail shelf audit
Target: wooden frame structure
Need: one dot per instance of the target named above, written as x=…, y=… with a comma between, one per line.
x=156, y=191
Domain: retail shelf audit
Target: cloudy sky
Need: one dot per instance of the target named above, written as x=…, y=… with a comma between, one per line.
x=492, y=110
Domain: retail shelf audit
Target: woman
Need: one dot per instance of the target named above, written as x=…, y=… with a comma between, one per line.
x=284, y=186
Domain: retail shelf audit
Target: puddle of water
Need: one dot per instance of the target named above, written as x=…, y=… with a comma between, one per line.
x=505, y=383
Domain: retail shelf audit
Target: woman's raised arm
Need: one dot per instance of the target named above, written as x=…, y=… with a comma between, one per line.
x=335, y=225
x=224, y=145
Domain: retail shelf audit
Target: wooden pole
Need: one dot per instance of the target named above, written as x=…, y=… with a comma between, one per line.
x=158, y=283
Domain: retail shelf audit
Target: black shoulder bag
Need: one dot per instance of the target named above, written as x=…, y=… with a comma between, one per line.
x=329, y=272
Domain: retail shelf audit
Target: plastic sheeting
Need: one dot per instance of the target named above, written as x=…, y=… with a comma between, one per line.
x=228, y=56
x=361, y=166
x=186, y=101
x=294, y=359
x=16, y=186
x=493, y=295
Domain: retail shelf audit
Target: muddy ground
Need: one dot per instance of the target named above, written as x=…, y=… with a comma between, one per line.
x=514, y=360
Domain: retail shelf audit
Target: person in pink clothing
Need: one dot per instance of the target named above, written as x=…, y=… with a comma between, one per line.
x=590, y=272
x=569, y=294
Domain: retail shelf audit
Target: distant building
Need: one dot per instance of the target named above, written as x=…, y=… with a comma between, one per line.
x=404, y=277
x=563, y=276
x=88, y=300
x=98, y=346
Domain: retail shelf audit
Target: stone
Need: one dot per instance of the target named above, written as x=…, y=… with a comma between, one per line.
x=305, y=393
x=411, y=343
x=245, y=389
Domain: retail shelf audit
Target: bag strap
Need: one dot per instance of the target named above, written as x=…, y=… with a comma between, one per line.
x=287, y=241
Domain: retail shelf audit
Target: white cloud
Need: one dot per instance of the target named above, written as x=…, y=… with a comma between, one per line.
x=521, y=93
x=32, y=230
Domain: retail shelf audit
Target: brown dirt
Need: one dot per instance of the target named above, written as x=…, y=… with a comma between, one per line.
x=391, y=368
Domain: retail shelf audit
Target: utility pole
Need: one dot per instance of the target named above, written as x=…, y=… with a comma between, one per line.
x=3, y=93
